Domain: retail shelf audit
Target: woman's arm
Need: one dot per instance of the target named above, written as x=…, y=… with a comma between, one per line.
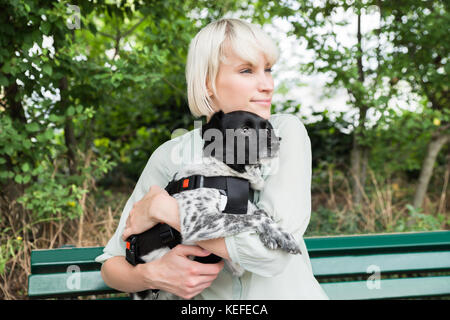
x=157, y=206
x=174, y=273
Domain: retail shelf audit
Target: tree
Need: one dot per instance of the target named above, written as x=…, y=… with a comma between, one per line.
x=356, y=65
x=418, y=31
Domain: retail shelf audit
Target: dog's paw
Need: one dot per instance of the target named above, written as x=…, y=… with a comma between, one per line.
x=287, y=243
x=268, y=241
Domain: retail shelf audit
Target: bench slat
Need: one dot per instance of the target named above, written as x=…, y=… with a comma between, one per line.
x=57, y=260
x=389, y=288
x=436, y=240
x=56, y=285
x=43, y=260
x=387, y=263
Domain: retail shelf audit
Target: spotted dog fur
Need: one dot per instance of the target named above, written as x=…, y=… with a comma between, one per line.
x=202, y=219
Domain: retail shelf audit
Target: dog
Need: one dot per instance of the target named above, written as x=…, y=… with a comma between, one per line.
x=201, y=209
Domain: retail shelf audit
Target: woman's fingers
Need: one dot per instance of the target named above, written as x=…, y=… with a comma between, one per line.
x=186, y=250
x=140, y=217
x=177, y=274
x=126, y=233
x=206, y=280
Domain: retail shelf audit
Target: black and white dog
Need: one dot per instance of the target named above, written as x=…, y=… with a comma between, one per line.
x=201, y=209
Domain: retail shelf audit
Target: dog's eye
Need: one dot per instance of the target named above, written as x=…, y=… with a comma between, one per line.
x=245, y=129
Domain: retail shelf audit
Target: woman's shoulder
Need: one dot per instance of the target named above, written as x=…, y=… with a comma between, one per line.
x=286, y=122
x=175, y=148
x=283, y=118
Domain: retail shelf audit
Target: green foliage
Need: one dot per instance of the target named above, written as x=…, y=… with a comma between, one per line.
x=8, y=250
x=399, y=144
x=420, y=54
x=50, y=198
x=90, y=107
x=416, y=220
x=329, y=143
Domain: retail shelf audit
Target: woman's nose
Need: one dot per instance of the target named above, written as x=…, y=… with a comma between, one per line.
x=265, y=83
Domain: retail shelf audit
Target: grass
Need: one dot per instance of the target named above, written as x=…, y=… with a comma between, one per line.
x=20, y=235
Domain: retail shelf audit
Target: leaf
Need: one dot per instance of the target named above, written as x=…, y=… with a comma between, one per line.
x=45, y=27
x=71, y=111
x=26, y=178
x=32, y=127
x=3, y=81
x=25, y=167
x=18, y=178
x=48, y=134
x=54, y=118
x=47, y=69
x=27, y=144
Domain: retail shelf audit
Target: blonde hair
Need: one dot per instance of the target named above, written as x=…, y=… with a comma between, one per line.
x=207, y=50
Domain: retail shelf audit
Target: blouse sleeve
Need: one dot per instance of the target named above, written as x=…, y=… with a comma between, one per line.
x=154, y=173
x=286, y=197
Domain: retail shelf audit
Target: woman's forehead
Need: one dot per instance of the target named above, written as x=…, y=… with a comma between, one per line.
x=232, y=59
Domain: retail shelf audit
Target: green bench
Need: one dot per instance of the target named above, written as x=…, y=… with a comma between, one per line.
x=380, y=266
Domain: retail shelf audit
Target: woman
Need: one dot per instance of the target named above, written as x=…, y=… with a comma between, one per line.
x=238, y=57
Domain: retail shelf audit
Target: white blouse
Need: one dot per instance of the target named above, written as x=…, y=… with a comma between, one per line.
x=270, y=274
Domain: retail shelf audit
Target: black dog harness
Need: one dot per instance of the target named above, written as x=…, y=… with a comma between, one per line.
x=236, y=189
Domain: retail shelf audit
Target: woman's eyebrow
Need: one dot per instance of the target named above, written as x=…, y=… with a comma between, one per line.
x=248, y=64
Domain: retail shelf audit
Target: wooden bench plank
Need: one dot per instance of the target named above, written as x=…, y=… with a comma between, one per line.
x=389, y=288
x=387, y=263
x=377, y=243
x=60, y=284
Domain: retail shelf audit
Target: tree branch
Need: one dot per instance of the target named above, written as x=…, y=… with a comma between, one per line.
x=106, y=35
x=127, y=33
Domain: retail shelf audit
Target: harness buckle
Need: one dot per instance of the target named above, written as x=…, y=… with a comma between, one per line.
x=131, y=250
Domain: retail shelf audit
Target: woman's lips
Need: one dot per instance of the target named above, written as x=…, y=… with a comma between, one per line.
x=266, y=102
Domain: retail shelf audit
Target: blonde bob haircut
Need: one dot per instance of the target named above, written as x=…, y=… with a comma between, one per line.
x=208, y=49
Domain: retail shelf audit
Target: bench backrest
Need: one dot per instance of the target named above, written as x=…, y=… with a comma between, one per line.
x=377, y=259
x=407, y=265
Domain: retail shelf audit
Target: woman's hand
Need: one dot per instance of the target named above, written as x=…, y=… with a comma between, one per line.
x=176, y=273
x=149, y=211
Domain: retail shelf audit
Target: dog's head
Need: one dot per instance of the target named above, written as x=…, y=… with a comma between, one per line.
x=240, y=138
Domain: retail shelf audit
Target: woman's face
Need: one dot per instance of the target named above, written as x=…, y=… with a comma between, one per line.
x=242, y=86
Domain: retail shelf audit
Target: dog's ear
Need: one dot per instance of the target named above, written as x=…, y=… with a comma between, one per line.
x=214, y=122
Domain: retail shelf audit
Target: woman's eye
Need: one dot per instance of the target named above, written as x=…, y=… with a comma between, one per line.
x=250, y=71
